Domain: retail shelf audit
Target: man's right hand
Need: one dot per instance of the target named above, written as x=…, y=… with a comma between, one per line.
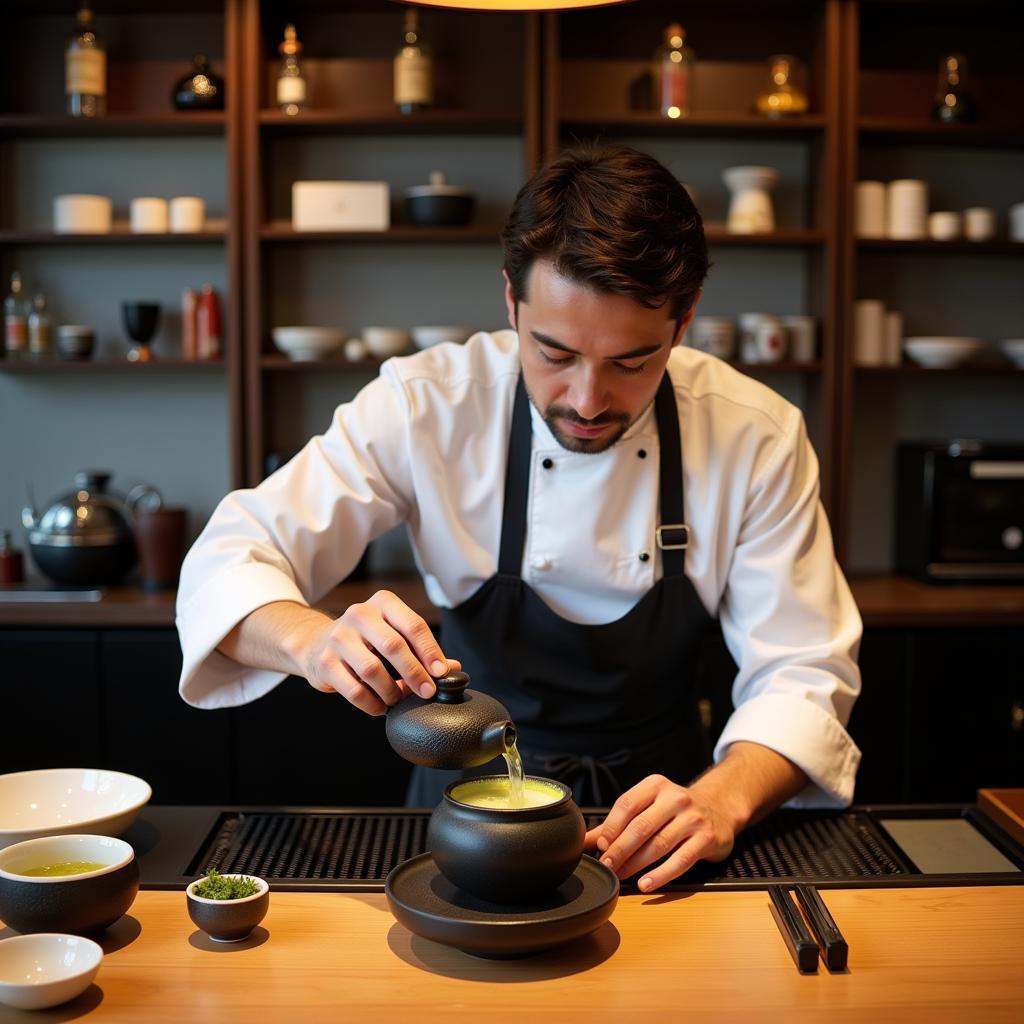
x=344, y=655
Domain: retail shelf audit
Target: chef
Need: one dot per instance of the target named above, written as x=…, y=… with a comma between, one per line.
x=585, y=498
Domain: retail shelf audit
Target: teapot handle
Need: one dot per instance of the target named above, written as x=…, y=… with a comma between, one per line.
x=144, y=496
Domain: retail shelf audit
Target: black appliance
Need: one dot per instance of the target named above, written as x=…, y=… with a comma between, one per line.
x=960, y=511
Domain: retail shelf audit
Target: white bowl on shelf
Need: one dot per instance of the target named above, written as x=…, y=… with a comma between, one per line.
x=303, y=344
x=424, y=337
x=941, y=352
x=46, y=969
x=384, y=342
x=1013, y=349
x=68, y=801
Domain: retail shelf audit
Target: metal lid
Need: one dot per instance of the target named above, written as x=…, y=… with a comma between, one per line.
x=85, y=516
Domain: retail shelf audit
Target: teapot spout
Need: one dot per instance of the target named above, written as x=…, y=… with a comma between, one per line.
x=497, y=738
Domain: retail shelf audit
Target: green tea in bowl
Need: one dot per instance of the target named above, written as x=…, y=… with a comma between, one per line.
x=69, y=867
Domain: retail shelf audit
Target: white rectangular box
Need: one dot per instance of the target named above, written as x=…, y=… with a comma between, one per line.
x=341, y=206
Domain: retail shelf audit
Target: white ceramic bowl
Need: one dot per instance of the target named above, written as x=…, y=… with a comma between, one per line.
x=64, y=801
x=424, y=337
x=82, y=215
x=941, y=352
x=47, y=969
x=1013, y=349
x=305, y=343
x=384, y=342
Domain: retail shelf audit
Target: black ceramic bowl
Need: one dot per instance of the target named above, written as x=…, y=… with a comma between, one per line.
x=440, y=209
x=77, y=904
x=506, y=855
x=229, y=920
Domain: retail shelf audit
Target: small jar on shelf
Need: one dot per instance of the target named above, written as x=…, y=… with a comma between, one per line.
x=783, y=97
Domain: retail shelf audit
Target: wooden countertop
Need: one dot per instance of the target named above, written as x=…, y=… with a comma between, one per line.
x=884, y=601
x=935, y=955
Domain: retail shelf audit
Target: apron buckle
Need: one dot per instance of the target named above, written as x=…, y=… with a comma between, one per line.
x=678, y=540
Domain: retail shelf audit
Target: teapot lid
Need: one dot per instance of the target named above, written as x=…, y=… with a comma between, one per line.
x=85, y=516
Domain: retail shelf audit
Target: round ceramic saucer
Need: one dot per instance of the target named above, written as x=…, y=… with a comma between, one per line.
x=423, y=900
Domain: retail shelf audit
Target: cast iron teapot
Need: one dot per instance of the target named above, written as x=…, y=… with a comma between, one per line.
x=456, y=728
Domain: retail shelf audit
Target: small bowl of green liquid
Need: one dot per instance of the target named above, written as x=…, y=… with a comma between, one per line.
x=71, y=884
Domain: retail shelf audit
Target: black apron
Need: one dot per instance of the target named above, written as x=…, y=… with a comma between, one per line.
x=598, y=707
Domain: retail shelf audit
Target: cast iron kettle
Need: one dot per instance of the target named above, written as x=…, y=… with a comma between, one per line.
x=456, y=728
x=85, y=537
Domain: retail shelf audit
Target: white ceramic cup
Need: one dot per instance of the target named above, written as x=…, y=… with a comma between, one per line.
x=82, y=215
x=1017, y=222
x=979, y=223
x=869, y=209
x=762, y=338
x=907, y=209
x=944, y=225
x=715, y=335
x=893, y=353
x=869, y=332
x=188, y=214
x=148, y=215
x=802, y=336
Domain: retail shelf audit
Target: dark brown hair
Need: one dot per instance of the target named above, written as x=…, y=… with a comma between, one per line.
x=613, y=219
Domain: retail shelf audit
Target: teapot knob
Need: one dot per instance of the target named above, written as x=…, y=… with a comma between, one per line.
x=451, y=688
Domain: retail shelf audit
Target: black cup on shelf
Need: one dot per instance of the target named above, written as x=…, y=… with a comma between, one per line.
x=140, y=322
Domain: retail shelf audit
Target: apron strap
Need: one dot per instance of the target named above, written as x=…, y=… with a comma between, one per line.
x=517, y=486
x=672, y=534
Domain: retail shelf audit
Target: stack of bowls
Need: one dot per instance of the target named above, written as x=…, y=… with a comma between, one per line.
x=75, y=341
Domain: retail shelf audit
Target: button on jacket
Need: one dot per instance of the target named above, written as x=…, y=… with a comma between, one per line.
x=426, y=444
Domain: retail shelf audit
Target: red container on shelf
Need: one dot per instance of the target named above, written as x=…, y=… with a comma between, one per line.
x=208, y=328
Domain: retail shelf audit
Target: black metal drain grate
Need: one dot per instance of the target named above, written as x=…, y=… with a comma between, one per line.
x=359, y=849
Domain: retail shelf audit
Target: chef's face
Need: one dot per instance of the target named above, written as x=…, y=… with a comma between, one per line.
x=592, y=361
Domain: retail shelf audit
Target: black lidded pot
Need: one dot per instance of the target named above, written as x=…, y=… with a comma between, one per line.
x=510, y=856
x=456, y=728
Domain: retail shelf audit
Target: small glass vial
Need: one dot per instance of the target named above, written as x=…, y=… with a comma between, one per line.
x=15, y=320
x=952, y=103
x=783, y=97
x=40, y=329
x=291, y=86
x=12, y=569
x=673, y=74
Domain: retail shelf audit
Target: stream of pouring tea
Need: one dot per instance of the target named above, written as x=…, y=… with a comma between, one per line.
x=516, y=790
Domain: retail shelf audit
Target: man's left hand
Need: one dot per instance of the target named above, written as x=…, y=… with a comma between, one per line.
x=659, y=820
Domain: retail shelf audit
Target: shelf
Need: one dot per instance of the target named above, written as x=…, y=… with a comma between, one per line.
x=454, y=122
x=337, y=363
x=708, y=126
x=282, y=231
x=54, y=364
x=47, y=238
x=968, y=370
x=787, y=366
x=924, y=132
x=784, y=238
x=901, y=601
x=993, y=247
x=207, y=122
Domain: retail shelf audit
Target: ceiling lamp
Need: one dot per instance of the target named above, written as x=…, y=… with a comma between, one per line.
x=518, y=5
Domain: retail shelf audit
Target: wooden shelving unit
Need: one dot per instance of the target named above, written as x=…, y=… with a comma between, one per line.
x=870, y=69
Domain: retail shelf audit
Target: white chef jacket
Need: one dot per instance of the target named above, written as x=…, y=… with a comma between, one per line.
x=426, y=444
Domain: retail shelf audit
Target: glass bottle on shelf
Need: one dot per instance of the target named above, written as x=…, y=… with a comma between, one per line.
x=952, y=103
x=85, y=69
x=782, y=97
x=414, y=68
x=40, y=328
x=291, y=86
x=673, y=74
x=200, y=89
x=15, y=320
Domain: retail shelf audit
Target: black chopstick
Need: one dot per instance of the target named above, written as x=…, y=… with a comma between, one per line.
x=802, y=947
x=834, y=949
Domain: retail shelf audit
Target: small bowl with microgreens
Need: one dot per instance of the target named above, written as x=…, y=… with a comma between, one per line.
x=227, y=907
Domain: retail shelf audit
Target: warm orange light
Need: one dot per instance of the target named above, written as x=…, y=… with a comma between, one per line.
x=517, y=5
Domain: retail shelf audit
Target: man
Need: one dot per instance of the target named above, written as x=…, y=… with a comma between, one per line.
x=584, y=497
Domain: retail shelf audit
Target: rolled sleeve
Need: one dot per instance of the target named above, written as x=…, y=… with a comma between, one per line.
x=791, y=624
